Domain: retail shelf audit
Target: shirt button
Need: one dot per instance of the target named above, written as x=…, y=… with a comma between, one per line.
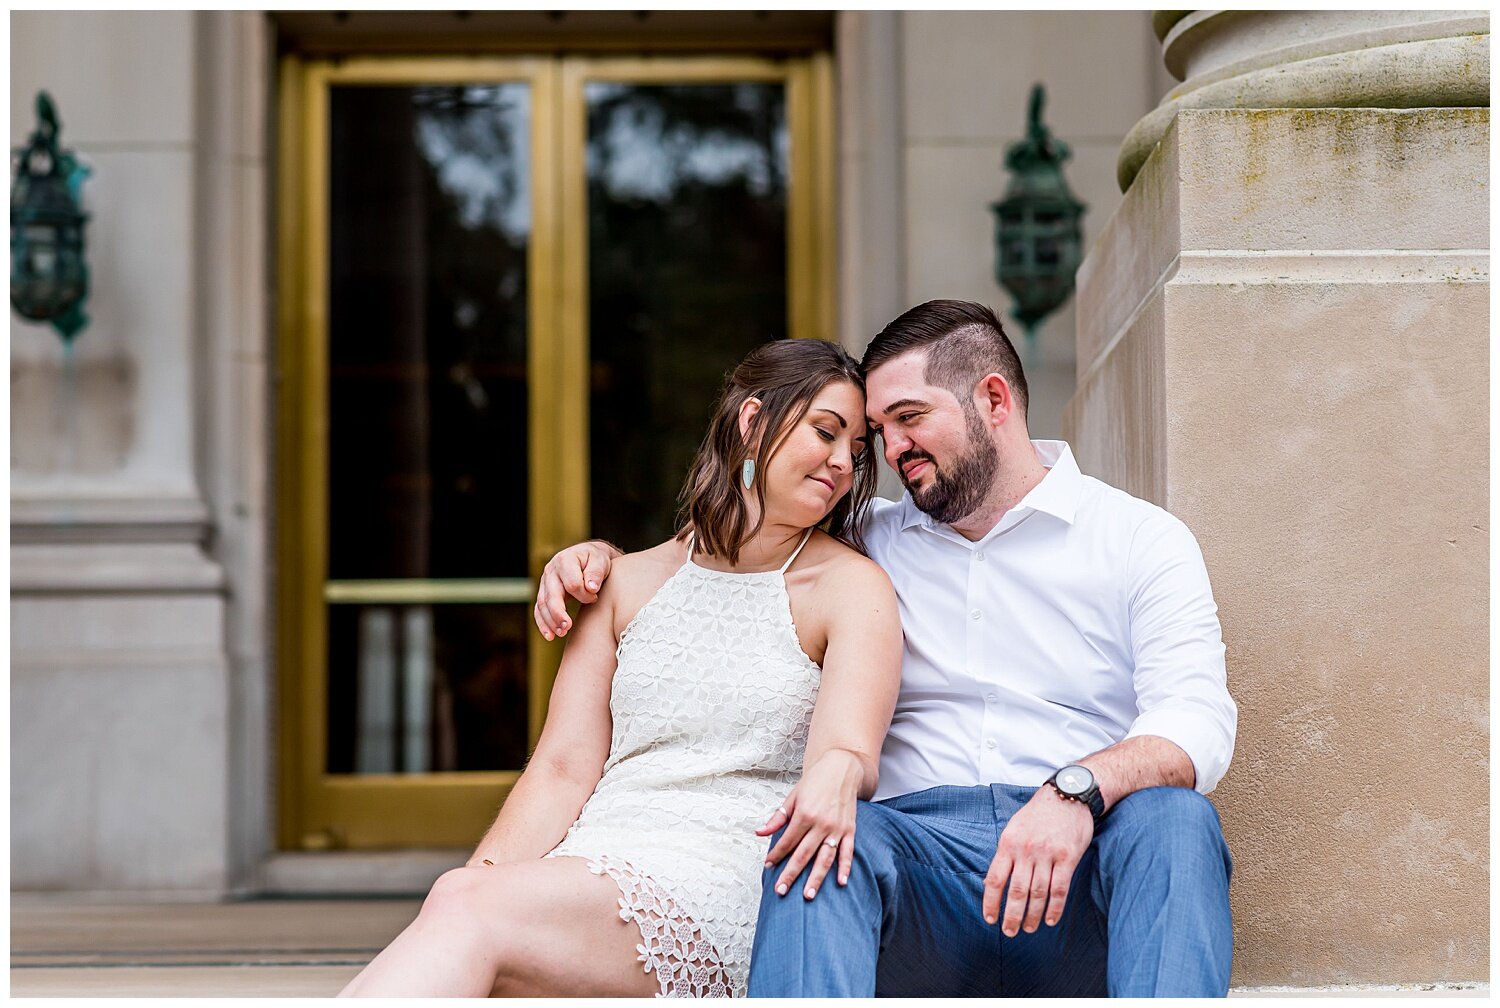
x=989, y=698
x=973, y=614
x=989, y=743
x=979, y=557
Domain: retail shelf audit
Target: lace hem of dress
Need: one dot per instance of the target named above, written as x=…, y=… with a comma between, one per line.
x=673, y=946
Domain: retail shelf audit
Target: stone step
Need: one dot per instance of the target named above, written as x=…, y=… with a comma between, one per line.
x=61, y=947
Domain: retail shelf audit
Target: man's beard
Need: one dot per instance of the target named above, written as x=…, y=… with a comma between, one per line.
x=958, y=493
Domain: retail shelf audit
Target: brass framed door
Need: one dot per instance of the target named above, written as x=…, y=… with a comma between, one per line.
x=501, y=280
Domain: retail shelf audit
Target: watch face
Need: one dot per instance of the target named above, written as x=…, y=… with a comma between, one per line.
x=1074, y=780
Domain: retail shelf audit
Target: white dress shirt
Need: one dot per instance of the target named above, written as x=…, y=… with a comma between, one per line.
x=1083, y=618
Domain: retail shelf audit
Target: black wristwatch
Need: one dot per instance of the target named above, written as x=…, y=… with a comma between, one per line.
x=1076, y=783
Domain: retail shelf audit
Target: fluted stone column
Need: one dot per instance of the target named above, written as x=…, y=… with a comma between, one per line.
x=1283, y=338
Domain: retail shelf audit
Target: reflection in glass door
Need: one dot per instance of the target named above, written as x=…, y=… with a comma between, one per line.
x=687, y=271
x=504, y=282
x=429, y=227
x=697, y=218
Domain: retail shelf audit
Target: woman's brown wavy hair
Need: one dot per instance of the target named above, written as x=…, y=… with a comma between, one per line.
x=785, y=375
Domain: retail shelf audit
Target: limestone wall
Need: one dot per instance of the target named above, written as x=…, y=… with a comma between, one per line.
x=136, y=567
x=1284, y=339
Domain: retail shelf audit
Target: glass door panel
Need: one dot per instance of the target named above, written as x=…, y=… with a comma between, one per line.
x=429, y=230
x=687, y=267
x=420, y=248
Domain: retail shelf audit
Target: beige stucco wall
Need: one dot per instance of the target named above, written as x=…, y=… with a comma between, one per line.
x=1303, y=296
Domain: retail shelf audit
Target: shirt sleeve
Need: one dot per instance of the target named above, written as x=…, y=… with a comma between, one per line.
x=1180, y=682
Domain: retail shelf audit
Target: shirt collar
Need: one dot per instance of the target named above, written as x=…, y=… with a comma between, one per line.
x=1057, y=494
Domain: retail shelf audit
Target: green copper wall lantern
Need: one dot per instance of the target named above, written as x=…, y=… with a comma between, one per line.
x=49, y=279
x=1038, y=243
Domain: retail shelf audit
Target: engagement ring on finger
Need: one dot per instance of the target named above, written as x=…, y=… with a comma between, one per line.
x=830, y=842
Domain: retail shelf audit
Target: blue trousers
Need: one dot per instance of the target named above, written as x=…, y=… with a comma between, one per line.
x=1147, y=914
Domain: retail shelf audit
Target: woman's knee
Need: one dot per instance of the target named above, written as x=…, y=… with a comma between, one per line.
x=460, y=893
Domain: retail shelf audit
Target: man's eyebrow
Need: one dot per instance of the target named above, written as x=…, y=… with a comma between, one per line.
x=901, y=403
x=825, y=409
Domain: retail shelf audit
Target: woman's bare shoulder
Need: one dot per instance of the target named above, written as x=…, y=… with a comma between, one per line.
x=667, y=556
x=843, y=560
x=633, y=577
x=843, y=566
x=841, y=592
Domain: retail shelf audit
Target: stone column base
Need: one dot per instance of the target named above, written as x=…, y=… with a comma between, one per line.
x=1284, y=339
x=119, y=693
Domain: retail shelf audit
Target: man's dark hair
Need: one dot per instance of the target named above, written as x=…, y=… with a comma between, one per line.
x=964, y=342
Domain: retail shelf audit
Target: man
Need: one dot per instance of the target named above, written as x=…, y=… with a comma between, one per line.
x=1039, y=827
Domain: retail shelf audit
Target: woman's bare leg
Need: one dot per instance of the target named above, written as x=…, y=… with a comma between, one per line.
x=545, y=928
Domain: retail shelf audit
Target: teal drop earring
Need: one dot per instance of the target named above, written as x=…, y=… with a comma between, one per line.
x=747, y=473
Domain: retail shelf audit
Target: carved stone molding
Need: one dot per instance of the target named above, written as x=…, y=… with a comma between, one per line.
x=1314, y=59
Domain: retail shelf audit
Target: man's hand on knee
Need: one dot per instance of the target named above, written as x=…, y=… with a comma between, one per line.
x=1034, y=861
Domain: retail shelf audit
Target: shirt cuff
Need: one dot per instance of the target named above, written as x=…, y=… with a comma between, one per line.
x=1194, y=734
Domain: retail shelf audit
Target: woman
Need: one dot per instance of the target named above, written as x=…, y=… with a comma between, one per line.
x=687, y=699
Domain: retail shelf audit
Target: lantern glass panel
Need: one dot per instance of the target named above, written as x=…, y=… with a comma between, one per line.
x=42, y=245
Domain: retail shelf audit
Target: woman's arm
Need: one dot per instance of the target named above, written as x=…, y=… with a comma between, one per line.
x=569, y=758
x=861, y=676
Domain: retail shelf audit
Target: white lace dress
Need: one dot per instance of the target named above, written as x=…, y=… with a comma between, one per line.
x=711, y=701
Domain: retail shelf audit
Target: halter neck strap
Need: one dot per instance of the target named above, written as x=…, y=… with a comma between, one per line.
x=692, y=541
x=805, y=536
